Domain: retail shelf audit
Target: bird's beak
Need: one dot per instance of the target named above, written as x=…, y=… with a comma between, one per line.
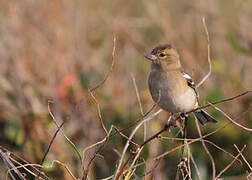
x=151, y=57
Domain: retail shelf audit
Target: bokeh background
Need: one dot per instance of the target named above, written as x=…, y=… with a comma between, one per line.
x=56, y=50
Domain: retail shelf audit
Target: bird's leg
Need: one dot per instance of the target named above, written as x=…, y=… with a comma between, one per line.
x=171, y=122
x=182, y=161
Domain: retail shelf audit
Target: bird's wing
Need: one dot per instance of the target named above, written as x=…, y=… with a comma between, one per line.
x=190, y=83
x=188, y=80
x=201, y=115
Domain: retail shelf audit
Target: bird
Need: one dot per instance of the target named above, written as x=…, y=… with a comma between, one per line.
x=170, y=87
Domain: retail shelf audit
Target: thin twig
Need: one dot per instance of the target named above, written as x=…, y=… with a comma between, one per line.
x=210, y=142
x=50, y=144
x=152, y=169
x=137, y=93
x=136, y=157
x=137, y=121
x=178, y=147
x=165, y=128
x=189, y=160
x=184, y=133
x=221, y=101
x=40, y=166
x=28, y=170
x=117, y=175
x=85, y=171
x=230, y=164
x=9, y=163
x=208, y=55
x=111, y=67
x=206, y=149
x=4, y=153
x=137, y=153
x=99, y=111
x=68, y=140
x=139, y=101
x=230, y=119
x=126, y=137
x=110, y=177
x=244, y=159
x=97, y=143
x=22, y=166
x=194, y=164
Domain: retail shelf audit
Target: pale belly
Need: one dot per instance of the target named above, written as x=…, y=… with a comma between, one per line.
x=171, y=98
x=183, y=103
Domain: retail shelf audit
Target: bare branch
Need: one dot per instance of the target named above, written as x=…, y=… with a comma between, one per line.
x=208, y=55
x=110, y=177
x=28, y=170
x=139, y=101
x=8, y=157
x=111, y=67
x=209, y=142
x=220, y=101
x=50, y=144
x=40, y=166
x=230, y=119
x=55, y=122
x=178, y=147
x=138, y=120
x=99, y=111
x=9, y=163
x=244, y=159
x=184, y=134
x=194, y=164
x=230, y=164
x=206, y=149
x=118, y=173
x=85, y=171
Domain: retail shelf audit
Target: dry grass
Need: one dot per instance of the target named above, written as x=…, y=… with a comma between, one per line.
x=60, y=50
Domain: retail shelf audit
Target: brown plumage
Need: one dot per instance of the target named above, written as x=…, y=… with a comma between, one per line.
x=171, y=88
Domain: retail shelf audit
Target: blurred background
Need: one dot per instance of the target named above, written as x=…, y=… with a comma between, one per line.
x=56, y=50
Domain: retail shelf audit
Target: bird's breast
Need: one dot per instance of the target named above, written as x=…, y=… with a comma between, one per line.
x=171, y=92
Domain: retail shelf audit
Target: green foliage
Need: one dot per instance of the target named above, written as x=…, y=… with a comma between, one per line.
x=12, y=131
x=236, y=45
x=83, y=80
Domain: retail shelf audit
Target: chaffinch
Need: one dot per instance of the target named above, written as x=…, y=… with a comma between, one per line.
x=171, y=88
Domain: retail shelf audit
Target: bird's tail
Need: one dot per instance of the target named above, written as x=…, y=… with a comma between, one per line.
x=203, y=117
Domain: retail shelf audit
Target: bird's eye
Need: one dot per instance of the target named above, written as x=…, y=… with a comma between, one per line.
x=162, y=55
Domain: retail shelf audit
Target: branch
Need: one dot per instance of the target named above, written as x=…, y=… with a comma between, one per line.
x=111, y=67
x=208, y=55
x=55, y=122
x=139, y=101
x=245, y=160
x=99, y=112
x=118, y=173
x=230, y=119
x=8, y=159
x=207, y=141
x=206, y=149
x=40, y=166
x=230, y=164
x=50, y=144
x=220, y=101
x=178, y=147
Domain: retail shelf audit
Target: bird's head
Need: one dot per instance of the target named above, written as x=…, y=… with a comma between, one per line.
x=164, y=56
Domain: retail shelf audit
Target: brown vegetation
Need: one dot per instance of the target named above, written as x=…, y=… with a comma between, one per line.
x=72, y=76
